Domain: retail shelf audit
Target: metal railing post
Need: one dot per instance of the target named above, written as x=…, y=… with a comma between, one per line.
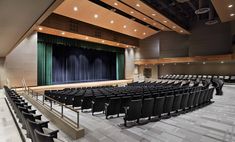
x=77, y=119
x=62, y=110
x=51, y=104
x=43, y=99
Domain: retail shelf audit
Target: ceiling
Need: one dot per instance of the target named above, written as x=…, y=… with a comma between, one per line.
x=224, y=9
x=92, y=13
x=18, y=18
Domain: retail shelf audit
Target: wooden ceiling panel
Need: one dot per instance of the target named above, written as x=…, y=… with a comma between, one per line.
x=86, y=11
x=147, y=10
x=56, y=32
x=225, y=8
x=127, y=9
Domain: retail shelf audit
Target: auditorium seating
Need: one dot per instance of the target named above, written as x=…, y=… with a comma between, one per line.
x=155, y=100
x=226, y=78
x=30, y=121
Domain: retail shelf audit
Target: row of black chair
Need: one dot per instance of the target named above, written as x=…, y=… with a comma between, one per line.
x=156, y=107
x=37, y=130
x=229, y=79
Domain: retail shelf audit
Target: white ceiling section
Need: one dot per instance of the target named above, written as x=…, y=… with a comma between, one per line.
x=225, y=9
x=89, y=12
x=18, y=18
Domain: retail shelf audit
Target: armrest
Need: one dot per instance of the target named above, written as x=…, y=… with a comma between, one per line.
x=36, y=116
x=126, y=109
x=43, y=123
x=50, y=132
x=32, y=111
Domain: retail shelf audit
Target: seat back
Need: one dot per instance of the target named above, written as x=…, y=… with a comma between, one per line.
x=168, y=104
x=158, y=106
x=98, y=104
x=41, y=137
x=33, y=126
x=196, y=98
x=77, y=100
x=147, y=107
x=184, y=100
x=125, y=101
x=114, y=106
x=86, y=102
x=134, y=111
x=177, y=101
x=191, y=99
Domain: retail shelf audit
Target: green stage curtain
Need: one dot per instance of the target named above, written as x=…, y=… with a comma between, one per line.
x=120, y=64
x=44, y=64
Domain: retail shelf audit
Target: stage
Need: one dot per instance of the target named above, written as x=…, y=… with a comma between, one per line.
x=41, y=89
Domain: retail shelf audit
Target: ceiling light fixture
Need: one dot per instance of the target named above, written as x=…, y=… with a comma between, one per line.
x=174, y=27
x=165, y=21
x=222, y=62
x=116, y=4
x=111, y=21
x=96, y=16
x=153, y=14
x=87, y=38
x=118, y=44
x=188, y=63
x=230, y=6
x=144, y=18
x=132, y=12
x=40, y=28
x=204, y=63
x=63, y=33
x=232, y=14
x=124, y=26
x=135, y=30
x=75, y=8
x=102, y=41
x=181, y=31
x=144, y=33
x=138, y=5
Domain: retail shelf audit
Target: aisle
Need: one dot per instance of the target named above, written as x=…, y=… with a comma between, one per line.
x=8, y=129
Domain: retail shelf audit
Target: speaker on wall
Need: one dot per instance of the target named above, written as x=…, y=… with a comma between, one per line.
x=147, y=72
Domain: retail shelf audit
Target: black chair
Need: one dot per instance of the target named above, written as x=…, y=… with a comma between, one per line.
x=202, y=93
x=158, y=106
x=98, y=104
x=184, y=101
x=147, y=108
x=86, y=102
x=196, y=99
x=113, y=107
x=168, y=105
x=133, y=111
x=69, y=99
x=37, y=126
x=41, y=137
x=176, y=103
x=124, y=103
x=190, y=100
x=77, y=100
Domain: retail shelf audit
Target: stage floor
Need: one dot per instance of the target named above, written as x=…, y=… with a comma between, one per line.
x=78, y=85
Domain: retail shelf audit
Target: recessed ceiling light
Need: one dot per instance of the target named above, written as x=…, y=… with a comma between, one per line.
x=62, y=33
x=188, y=63
x=118, y=44
x=204, y=63
x=111, y=21
x=102, y=41
x=154, y=14
x=135, y=30
x=116, y=4
x=222, y=62
x=230, y=6
x=165, y=21
x=232, y=14
x=138, y=5
x=144, y=18
x=144, y=33
x=75, y=8
x=127, y=46
x=124, y=26
x=40, y=28
x=174, y=27
x=87, y=38
x=96, y=16
x=132, y=12
x=163, y=64
x=181, y=31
